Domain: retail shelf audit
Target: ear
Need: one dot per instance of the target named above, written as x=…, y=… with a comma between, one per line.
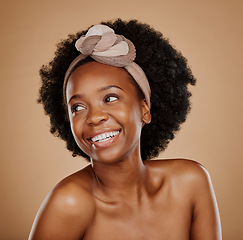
x=146, y=115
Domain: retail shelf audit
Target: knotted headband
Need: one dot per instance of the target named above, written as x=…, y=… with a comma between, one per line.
x=104, y=46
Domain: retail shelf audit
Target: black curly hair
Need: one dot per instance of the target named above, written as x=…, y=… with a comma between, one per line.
x=165, y=67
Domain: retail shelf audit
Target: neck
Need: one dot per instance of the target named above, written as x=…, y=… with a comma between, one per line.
x=123, y=179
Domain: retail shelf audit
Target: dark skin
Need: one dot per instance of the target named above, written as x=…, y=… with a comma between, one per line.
x=119, y=196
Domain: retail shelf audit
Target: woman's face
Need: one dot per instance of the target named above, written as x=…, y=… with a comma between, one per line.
x=105, y=113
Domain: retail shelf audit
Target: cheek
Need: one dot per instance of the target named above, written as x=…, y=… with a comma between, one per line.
x=77, y=131
x=76, y=128
x=130, y=119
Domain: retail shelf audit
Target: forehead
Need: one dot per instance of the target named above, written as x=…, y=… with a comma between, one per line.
x=93, y=75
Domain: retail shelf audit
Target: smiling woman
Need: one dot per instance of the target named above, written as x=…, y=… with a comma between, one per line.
x=105, y=111
x=118, y=101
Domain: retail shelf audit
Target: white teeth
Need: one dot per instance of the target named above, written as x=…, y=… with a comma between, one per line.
x=104, y=136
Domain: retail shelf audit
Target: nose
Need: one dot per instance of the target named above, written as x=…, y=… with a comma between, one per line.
x=96, y=115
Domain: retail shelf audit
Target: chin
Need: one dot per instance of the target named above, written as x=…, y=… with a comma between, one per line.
x=108, y=156
x=115, y=155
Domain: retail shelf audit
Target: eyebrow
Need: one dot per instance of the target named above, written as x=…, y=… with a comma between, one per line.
x=108, y=87
x=78, y=96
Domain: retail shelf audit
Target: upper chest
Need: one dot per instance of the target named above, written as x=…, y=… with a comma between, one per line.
x=166, y=216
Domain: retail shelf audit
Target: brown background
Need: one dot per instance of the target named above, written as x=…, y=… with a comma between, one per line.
x=210, y=35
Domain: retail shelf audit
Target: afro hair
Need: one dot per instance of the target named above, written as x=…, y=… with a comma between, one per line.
x=166, y=69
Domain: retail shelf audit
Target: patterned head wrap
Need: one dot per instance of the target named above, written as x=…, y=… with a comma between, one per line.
x=104, y=46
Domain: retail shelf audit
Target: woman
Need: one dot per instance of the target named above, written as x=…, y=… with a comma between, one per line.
x=118, y=101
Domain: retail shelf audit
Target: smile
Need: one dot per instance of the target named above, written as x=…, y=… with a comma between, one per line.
x=104, y=136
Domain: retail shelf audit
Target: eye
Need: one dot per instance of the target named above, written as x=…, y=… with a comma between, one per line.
x=111, y=98
x=76, y=108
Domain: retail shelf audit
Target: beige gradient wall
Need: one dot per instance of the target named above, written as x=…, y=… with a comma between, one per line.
x=210, y=35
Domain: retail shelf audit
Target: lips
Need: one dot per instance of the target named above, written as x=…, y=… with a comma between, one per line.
x=104, y=138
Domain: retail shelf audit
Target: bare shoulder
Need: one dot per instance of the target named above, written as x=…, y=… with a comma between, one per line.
x=73, y=193
x=179, y=167
x=191, y=184
x=68, y=206
x=186, y=174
